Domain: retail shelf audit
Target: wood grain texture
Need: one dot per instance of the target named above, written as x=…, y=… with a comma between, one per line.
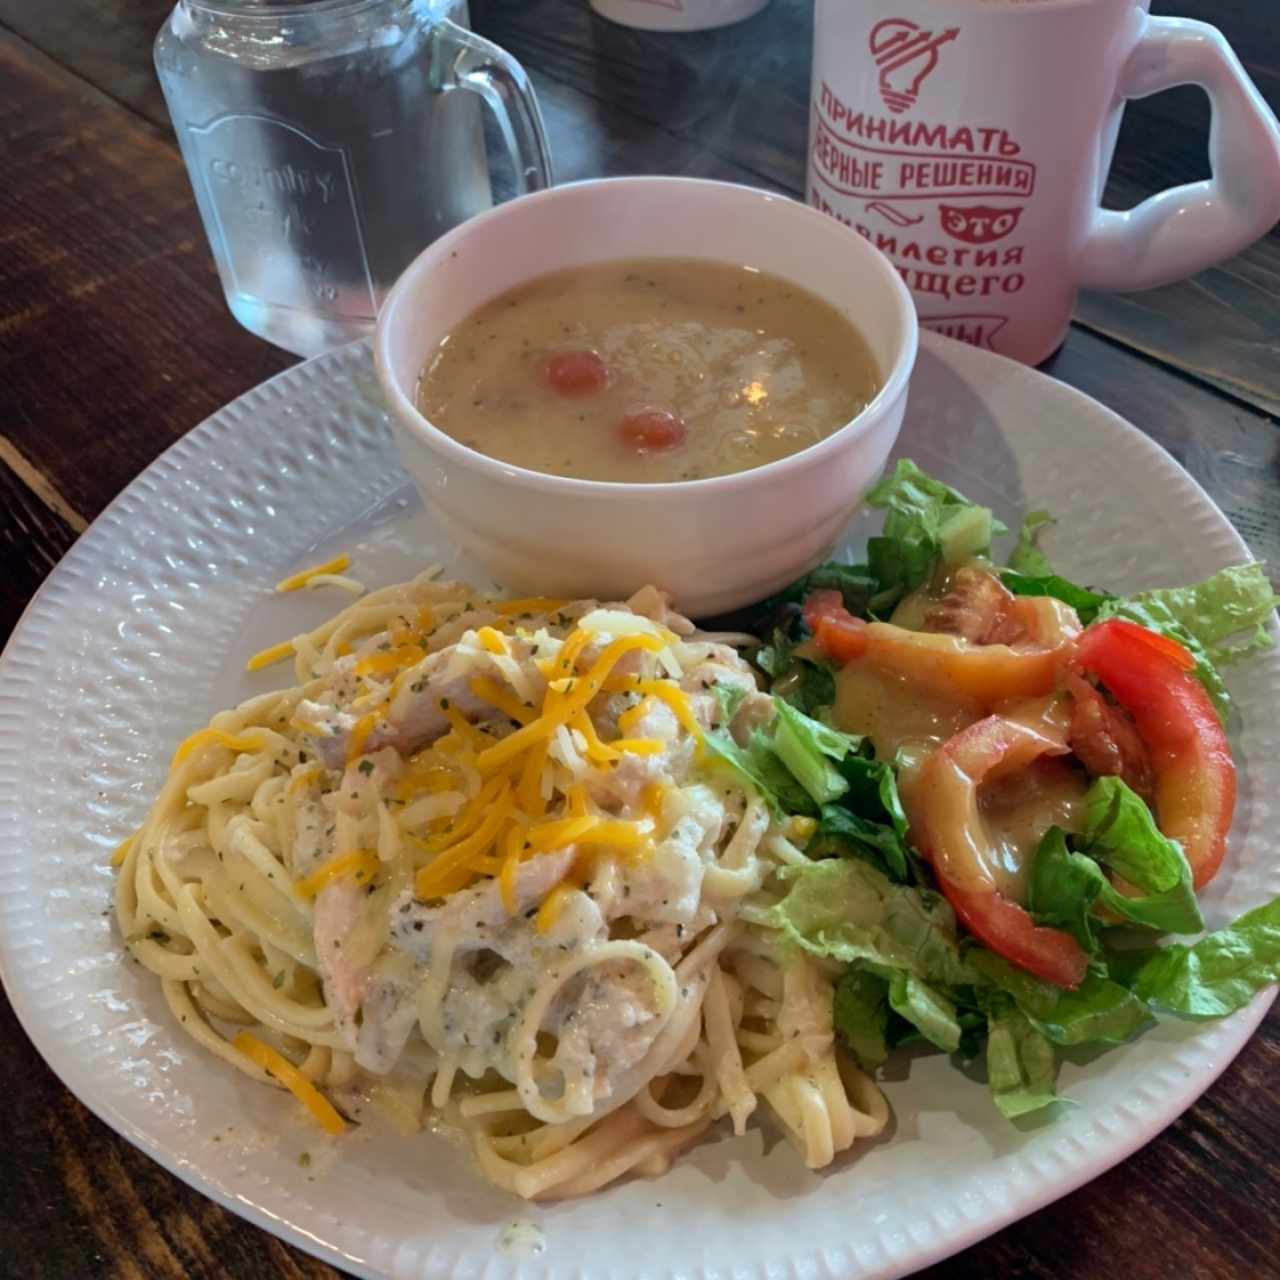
x=106, y=274
x=114, y=339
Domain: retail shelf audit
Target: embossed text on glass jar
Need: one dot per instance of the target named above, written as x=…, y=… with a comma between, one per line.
x=327, y=143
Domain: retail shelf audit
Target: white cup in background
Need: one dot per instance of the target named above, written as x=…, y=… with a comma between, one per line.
x=969, y=140
x=677, y=15
x=715, y=544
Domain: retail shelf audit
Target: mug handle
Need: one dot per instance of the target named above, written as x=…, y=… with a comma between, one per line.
x=1185, y=229
x=471, y=62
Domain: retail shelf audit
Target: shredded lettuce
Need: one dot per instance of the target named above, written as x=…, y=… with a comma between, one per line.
x=926, y=523
x=793, y=765
x=1022, y=1067
x=810, y=750
x=1026, y=557
x=1213, y=977
x=847, y=910
x=926, y=1008
x=758, y=767
x=1067, y=887
x=861, y=1015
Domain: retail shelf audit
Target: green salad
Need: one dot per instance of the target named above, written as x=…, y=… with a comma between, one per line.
x=938, y=940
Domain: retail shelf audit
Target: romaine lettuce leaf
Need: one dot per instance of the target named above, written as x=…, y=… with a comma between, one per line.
x=792, y=764
x=868, y=820
x=927, y=522
x=1099, y=1010
x=1213, y=977
x=1026, y=557
x=806, y=684
x=1232, y=601
x=843, y=833
x=861, y=1015
x=1067, y=887
x=1022, y=1067
x=854, y=582
x=926, y=1009
x=1085, y=602
x=849, y=911
x=758, y=767
x=1121, y=833
x=810, y=750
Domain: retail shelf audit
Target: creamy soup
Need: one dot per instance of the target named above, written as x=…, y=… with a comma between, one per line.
x=648, y=371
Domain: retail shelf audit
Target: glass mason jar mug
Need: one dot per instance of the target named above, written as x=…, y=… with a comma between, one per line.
x=326, y=146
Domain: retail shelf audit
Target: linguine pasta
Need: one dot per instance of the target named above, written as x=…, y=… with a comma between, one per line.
x=476, y=864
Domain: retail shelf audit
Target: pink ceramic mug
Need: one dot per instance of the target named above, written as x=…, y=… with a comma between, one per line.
x=970, y=141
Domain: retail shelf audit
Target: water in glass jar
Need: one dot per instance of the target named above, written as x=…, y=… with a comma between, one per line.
x=323, y=153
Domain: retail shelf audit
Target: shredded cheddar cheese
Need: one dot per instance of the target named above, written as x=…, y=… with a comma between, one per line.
x=270, y=656
x=512, y=846
x=552, y=906
x=561, y=832
x=579, y=691
x=435, y=878
x=299, y=580
x=668, y=692
x=279, y=1067
x=380, y=664
x=360, y=735
x=305, y=778
x=639, y=746
x=530, y=604
x=529, y=788
x=632, y=715
x=362, y=865
x=597, y=751
x=506, y=702
x=492, y=641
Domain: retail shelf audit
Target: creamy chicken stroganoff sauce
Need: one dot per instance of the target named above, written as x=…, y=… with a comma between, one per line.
x=478, y=863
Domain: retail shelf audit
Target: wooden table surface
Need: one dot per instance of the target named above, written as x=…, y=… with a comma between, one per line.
x=115, y=340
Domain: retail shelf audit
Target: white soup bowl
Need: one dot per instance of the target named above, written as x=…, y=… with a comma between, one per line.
x=714, y=544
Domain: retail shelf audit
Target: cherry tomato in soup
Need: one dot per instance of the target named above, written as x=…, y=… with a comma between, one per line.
x=576, y=373
x=652, y=430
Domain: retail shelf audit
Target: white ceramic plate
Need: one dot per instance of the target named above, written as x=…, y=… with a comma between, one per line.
x=141, y=633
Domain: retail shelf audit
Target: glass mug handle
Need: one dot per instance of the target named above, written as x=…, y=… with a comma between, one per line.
x=1181, y=231
x=471, y=62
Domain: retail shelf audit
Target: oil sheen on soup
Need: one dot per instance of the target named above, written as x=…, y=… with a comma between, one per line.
x=649, y=371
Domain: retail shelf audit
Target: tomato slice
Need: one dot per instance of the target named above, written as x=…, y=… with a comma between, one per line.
x=576, y=373
x=1195, y=776
x=1005, y=927
x=837, y=633
x=948, y=828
